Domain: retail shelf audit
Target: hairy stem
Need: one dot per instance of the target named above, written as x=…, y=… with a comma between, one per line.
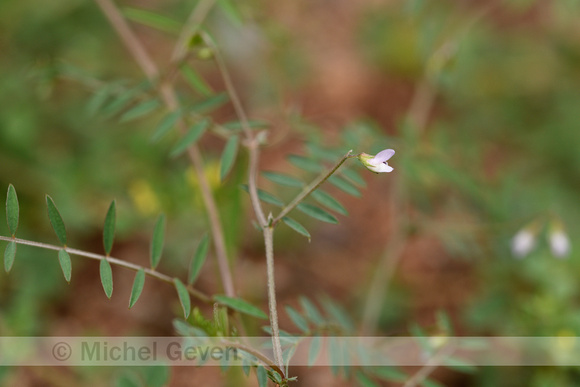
x=171, y=101
x=115, y=261
x=272, y=306
x=310, y=188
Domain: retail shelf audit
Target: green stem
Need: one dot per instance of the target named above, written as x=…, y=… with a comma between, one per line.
x=310, y=188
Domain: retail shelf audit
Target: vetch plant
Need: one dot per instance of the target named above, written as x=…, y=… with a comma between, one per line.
x=184, y=119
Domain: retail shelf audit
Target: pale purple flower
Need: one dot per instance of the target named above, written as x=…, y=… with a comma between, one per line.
x=377, y=163
x=523, y=243
x=559, y=243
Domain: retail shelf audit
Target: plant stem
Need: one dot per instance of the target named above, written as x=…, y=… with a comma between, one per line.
x=170, y=99
x=269, y=242
x=115, y=261
x=310, y=188
x=251, y=140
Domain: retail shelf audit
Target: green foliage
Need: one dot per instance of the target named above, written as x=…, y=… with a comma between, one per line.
x=137, y=288
x=157, y=241
x=140, y=110
x=327, y=200
x=317, y=213
x=229, y=156
x=9, y=256
x=282, y=179
x=56, y=221
x=183, y=294
x=294, y=225
x=192, y=136
x=264, y=196
x=109, y=228
x=241, y=306
x=106, y=277
x=198, y=259
x=65, y=264
x=12, y=210
x=165, y=125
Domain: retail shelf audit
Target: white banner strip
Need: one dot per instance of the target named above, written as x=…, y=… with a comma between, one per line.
x=299, y=351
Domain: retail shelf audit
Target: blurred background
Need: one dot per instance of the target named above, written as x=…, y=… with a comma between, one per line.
x=480, y=100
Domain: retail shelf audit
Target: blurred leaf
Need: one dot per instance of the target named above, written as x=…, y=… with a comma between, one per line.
x=282, y=179
x=460, y=365
x=138, y=284
x=228, y=156
x=97, y=101
x=165, y=125
x=327, y=200
x=65, y=264
x=305, y=163
x=12, y=210
x=314, y=349
x=294, y=225
x=109, y=228
x=338, y=313
x=183, y=328
x=157, y=241
x=431, y=383
x=56, y=220
x=190, y=137
x=444, y=323
x=210, y=103
x=311, y=311
x=106, y=277
x=252, y=124
x=183, y=294
x=9, y=255
x=297, y=319
x=140, y=110
x=317, y=213
x=262, y=376
x=124, y=99
x=128, y=379
x=231, y=11
x=344, y=185
x=390, y=374
x=196, y=82
x=241, y=306
x=265, y=196
x=157, y=376
x=364, y=381
x=152, y=19
x=353, y=176
x=198, y=259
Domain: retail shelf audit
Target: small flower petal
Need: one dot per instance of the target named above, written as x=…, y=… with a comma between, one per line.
x=383, y=156
x=559, y=244
x=523, y=243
